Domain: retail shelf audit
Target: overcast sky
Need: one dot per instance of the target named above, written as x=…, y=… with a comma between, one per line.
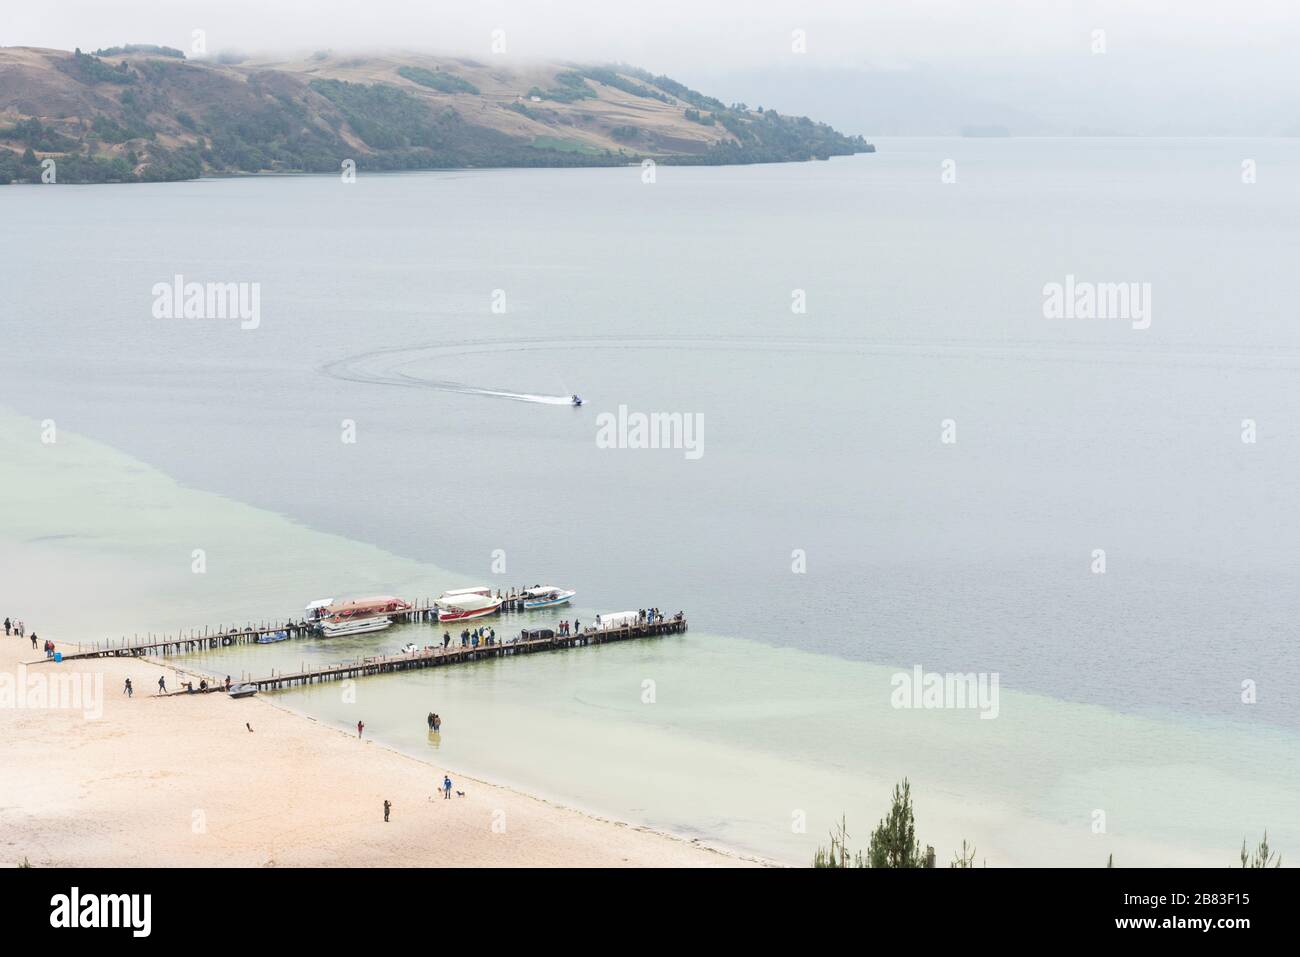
x=1212, y=66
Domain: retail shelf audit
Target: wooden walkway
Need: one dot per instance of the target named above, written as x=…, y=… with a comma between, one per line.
x=434, y=657
x=184, y=643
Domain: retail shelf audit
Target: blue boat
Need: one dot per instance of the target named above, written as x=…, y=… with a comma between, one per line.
x=272, y=636
x=546, y=596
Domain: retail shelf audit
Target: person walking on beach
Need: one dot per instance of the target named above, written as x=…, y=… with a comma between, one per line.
x=22, y=630
x=8, y=625
x=127, y=689
x=361, y=726
x=387, y=807
x=162, y=684
x=446, y=787
x=33, y=641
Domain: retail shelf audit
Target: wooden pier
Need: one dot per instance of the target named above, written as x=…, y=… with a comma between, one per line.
x=188, y=642
x=435, y=656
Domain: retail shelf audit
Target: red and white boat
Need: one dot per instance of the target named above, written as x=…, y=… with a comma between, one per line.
x=360, y=615
x=462, y=604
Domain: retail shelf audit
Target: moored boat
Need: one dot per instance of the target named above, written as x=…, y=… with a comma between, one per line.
x=464, y=604
x=353, y=626
x=242, y=691
x=547, y=596
x=361, y=615
x=271, y=637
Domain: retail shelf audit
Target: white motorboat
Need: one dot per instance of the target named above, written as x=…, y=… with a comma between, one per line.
x=464, y=604
x=547, y=596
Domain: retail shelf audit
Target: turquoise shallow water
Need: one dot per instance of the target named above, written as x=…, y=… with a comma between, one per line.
x=822, y=430
x=739, y=743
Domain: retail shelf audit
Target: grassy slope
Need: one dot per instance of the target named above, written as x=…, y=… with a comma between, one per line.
x=145, y=116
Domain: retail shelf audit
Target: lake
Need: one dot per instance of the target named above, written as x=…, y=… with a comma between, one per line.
x=900, y=462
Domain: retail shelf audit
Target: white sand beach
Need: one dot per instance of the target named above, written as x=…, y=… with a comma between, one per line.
x=181, y=781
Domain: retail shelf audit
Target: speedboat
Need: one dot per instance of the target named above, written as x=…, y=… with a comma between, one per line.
x=362, y=615
x=464, y=604
x=242, y=691
x=577, y=400
x=409, y=648
x=271, y=637
x=547, y=596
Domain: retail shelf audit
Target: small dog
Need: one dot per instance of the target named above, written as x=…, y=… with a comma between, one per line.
x=460, y=794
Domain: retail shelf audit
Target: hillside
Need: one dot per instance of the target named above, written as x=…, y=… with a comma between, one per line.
x=149, y=114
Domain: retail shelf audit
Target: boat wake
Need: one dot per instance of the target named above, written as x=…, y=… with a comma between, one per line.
x=392, y=366
x=389, y=367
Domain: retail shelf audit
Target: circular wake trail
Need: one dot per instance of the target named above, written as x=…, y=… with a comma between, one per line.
x=389, y=366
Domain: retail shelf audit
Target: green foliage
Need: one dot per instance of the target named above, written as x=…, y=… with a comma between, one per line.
x=437, y=80
x=676, y=89
x=110, y=131
x=91, y=69
x=838, y=854
x=965, y=859
x=625, y=133
x=610, y=78
x=37, y=136
x=893, y=842
x=523, y=110
x=1261, y=857
x=772, y=138
x=572, y=88
x=562, y=145
x=142, y=48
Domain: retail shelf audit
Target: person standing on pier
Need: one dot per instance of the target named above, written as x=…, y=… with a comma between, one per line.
x=361, y=726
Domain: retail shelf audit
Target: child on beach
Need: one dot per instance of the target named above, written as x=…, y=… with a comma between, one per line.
x=127, y=689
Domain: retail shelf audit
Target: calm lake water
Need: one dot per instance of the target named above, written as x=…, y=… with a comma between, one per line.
x=822, y=451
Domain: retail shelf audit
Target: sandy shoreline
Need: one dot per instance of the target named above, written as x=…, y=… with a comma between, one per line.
x=180, y=781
